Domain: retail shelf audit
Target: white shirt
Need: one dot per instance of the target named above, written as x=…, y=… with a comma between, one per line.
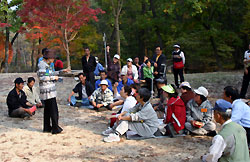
x=84, y=93
x=129, y=103
x=134, y=70
x=247, y=56
x=220, y=146
x=182, y=56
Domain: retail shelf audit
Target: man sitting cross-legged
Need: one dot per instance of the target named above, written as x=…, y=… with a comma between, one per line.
x=140, y=119
x=31, y=93
x=18, y=105
x=84, y=90
x=102, y=97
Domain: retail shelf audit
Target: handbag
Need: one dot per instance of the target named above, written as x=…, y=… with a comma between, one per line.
x=178, y=65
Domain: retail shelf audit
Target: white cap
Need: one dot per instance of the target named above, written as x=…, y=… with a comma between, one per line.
x=177, y=46
x=117, y=56
x=130, y=60
x=123, y=73
x=201, y=91
x=104, y=82
x=96, y=59
x=186, y=84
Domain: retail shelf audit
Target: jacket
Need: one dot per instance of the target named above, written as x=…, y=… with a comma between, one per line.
x=113, y=69
x=90, y=65
x=78, y=89
x=161, y=60
x=134, y=70
x=32, y=96
x=176, y=113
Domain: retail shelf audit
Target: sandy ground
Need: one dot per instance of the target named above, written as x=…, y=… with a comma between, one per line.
x=81, y=140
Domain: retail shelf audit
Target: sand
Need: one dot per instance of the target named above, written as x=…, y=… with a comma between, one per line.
x=23, y=140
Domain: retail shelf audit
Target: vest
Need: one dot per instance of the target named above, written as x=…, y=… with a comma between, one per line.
x=241, y=153
x=177, y=53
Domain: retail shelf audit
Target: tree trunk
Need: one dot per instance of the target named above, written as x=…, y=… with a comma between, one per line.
x=32, y=56
x=215, y=52
x=6, y=44
x=14, y=38
x=118, y=41
x=68, y=56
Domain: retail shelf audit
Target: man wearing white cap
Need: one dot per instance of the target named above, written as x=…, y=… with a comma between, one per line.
x=178, y=64
x=200, y=114
x=102, y=97
x=113, y=67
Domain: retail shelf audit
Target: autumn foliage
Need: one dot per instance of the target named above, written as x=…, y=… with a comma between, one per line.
x=61, y=18
x=2, y=49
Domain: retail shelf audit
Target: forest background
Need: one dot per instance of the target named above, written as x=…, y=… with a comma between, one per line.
x=213, y=34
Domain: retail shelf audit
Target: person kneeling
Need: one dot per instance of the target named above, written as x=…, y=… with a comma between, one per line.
x=84, y=90
x=231, y=143
x=175, y=112
x=200, y=114
x=18, y=106
x=102, y=97
x=141, y=119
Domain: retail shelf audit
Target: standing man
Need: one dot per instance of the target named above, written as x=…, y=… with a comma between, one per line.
x=178, y=64
x=136, y=63
x=159, y=59
x=88, y=66
x=246, y=77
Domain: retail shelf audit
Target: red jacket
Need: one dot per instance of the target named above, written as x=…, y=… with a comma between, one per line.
x=177, y=107
x=59, y=64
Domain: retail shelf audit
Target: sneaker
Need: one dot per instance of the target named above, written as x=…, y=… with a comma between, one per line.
x=112, y=138
x=78, y=104
x=108, y=131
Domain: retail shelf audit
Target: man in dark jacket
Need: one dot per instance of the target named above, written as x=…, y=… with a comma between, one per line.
x=18, y=106
x=159, y=60
x=113, y=67
x=84, y=90
x=88, y=66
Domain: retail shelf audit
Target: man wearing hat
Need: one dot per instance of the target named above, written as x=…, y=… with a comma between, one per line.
x=178, y=64
x=200, y=114
x=131, y=70
x=186, y=92
x=113, y=66
x=18, y=106
x=102, y=97
x=230, y=144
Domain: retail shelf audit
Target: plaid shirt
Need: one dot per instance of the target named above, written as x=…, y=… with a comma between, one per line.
x=101, y=97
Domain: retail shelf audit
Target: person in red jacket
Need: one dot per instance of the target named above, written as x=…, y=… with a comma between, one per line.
x=58, y=64
x=175, y=112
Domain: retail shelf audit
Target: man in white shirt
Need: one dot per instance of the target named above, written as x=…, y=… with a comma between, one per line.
x=246, y=77
x=231, y=143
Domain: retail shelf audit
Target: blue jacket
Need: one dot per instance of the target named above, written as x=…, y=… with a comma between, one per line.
x=241, y=113
x=120, y=84
x=99, y=81
x=98, y=68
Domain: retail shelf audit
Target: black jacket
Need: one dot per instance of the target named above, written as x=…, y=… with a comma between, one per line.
x=90, y=65
x=78, y=89
x=15, y=101
x=161, y=60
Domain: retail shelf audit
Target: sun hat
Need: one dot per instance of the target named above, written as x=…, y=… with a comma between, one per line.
x=168, y=88
x=129, y=60
x=104, y=82
x=186, y=84
x=201, y=91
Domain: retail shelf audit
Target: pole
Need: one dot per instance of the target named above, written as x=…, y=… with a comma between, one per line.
x=152, y=83
x=105, y=50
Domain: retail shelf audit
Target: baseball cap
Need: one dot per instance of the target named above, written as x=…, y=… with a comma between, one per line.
x=104, y=82
x=168, y=88
x=19, y=80
x=117, y=56
x=177, y=46
x=129, y=60
x=201, y=91
x=186, y=84
x=222, y=105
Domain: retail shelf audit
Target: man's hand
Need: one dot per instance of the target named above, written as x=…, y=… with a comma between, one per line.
x=155, y=73
x=120, y=117
x=107, y=48
x=116, y=85
x=94, y=104
x=99, y=105
x=193, y=122
x=29, y=104
x=155, y=64
x=69, y=99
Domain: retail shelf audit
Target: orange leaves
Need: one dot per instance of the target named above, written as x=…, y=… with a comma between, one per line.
x=2, y=48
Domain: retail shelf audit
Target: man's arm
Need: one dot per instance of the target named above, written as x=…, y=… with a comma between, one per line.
x=69, y=98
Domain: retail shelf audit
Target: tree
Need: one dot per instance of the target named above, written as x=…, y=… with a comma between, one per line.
x=63, y=18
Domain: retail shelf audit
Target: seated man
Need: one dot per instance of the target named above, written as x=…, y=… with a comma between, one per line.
x=125, y=81
x=102, y=97
x=160, y=106
x=230, y=144
x=199, y=114
x=140, y=119
x=240, y=110
x=186, y=92
x=31, y=93
x=18, y=105
x=84, y=90
x=103, y=75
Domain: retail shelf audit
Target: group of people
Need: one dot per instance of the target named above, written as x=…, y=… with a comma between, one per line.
x=189, y=112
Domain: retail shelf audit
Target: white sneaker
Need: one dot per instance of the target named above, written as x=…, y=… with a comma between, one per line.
x=112, y=138
x=108, y=131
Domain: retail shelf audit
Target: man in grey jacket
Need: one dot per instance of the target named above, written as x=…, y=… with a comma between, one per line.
x=200, y=114
x=140, y=119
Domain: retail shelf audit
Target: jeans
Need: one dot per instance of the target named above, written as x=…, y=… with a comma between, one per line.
x=85, y=101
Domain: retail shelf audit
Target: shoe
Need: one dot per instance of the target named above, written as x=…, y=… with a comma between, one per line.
x=108, y=131
x=78, y=104
x=212, y=133
x=112, y=138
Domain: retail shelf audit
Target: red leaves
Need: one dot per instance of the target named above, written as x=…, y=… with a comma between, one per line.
x=3, y=25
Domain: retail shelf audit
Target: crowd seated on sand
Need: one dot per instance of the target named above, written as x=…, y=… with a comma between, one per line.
x=129, y=92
